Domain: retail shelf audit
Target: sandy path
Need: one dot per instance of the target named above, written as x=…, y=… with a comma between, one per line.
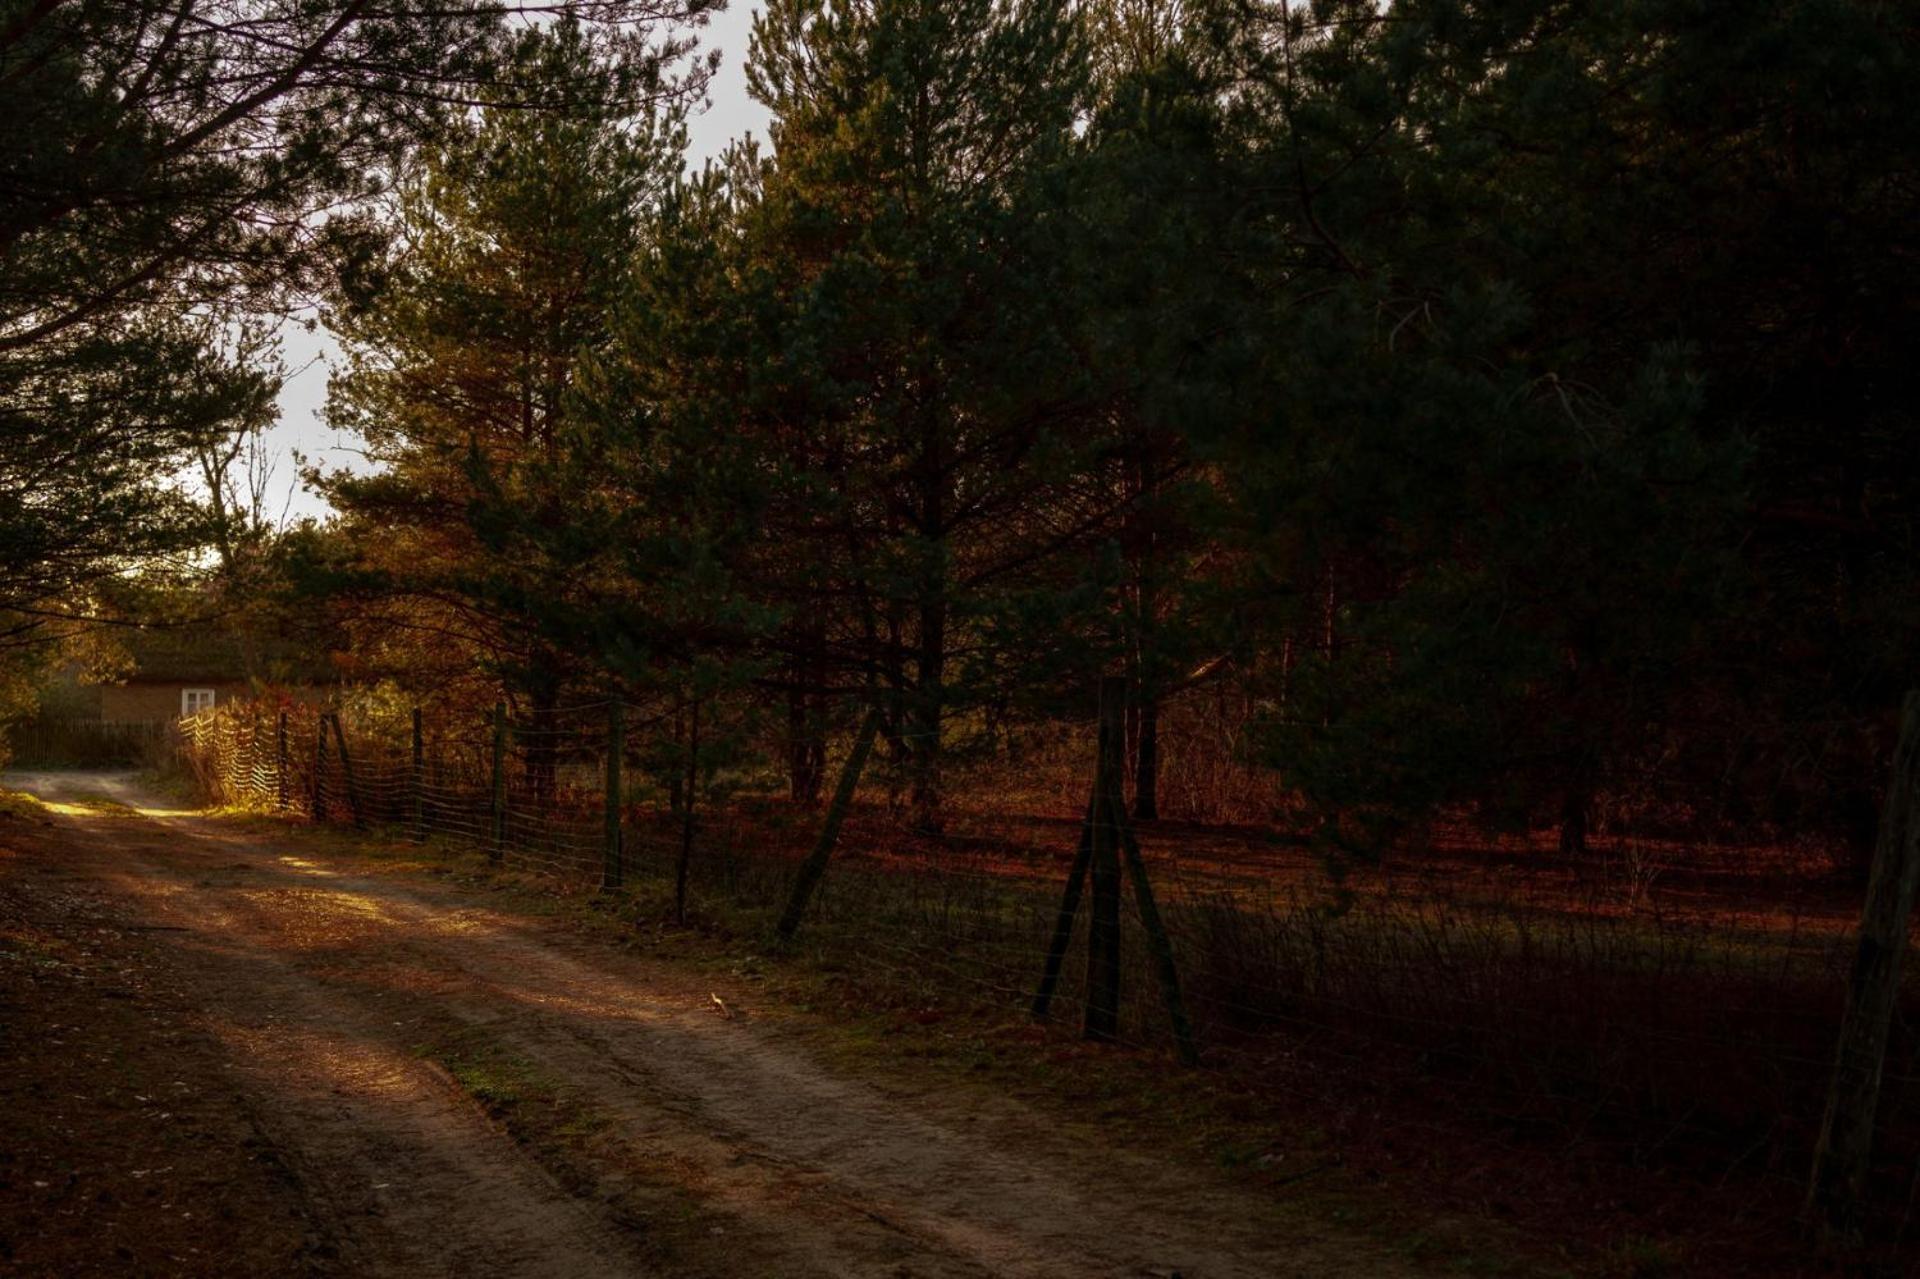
x=324, y=983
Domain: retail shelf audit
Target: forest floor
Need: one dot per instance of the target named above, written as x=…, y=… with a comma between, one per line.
x=227, y=1051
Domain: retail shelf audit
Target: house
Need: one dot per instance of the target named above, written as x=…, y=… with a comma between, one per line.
x=173, y=673
x=180, y=671
x=170, y=672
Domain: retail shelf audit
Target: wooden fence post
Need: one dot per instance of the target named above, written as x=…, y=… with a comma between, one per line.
x=1102, y=1020
x=1063, y=922
x=418, y=780
x=498, y=845
x=1846, y=1132
x=346, y=772
x=280, y=763
x=1157, y=940
x=318, y=813
x=611, y=871
x=812, y=869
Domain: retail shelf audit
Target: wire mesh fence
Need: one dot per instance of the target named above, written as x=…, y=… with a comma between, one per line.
x=1688, y=1048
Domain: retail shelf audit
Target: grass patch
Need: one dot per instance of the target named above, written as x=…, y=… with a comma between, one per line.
x=18, y=805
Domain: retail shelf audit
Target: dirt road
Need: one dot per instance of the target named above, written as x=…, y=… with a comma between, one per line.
x=294, y=1002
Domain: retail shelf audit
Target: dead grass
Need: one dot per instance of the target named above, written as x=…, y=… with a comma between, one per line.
x=1637, y=1041
x=1510, y=1067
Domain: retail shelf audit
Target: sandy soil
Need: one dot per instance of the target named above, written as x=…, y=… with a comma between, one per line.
x=297, y=1001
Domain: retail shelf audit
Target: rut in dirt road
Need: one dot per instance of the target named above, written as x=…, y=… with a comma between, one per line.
x=714, y=1132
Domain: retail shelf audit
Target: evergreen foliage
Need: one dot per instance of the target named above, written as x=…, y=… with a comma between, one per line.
x=1513, y=397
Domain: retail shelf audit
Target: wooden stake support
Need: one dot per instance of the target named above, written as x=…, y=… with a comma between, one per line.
x=1105, y=835
x=346, y=770
x=814, y=868
x=1846, y=1133
x=1102, y=1020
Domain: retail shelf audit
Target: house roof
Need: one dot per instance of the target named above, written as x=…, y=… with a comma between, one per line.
x=216, y=654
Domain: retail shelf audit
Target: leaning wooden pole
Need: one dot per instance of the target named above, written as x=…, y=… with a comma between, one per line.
x=346, y=771
x=1846, y=1133
x=1102, y=1020
x=1157, y=941
x=814, y=868
x=1063, y=922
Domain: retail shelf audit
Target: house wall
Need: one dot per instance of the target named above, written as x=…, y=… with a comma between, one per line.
x=139, y=700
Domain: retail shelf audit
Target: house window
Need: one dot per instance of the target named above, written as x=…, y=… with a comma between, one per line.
x=195, y=700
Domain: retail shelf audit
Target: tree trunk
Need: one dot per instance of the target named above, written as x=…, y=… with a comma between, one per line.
x=686, y=814
x=1146, y=761
x=897, y=722
x=676, y=784
x=923, y=737
x=542, y=751
x=806, y=726
x=1143, y=709
x=805, y=757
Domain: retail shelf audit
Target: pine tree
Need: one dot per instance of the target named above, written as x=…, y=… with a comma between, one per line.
x=908, y=251
x=464, y=347
x=1531, y=373
x=166, y=162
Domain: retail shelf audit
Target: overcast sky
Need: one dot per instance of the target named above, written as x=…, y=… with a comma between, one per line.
x=301, y=427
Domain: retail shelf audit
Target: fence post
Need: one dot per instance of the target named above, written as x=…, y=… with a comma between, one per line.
x=280, y=763
x=1157, y=940
x=1063, y=922
x=319, y=766
x=498, y=845
x=1846, y=1131
x=346, y=771
x=611, y=871
x=812, y=869
x=1103, y=871
x=419, y=780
